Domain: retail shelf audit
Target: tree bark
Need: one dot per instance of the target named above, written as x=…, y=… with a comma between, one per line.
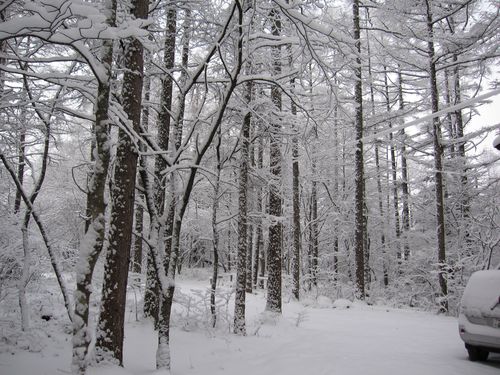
x=110, y=328
x=215, y=233
x=438, y=164
x=139, y=208
x=151, y=298
x=404, y=175
x=295, y=192
x=241, y=261
x=313, y=238
x=359, y=163
x=274, y=255
x=260, y=258
x=163, y=359
x=394, y=173
x=92, y=242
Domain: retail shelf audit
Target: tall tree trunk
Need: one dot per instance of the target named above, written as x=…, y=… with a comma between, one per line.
x=383, y=230
x=336, y=188
x=394, y=172
x=151, y=298
x=274, y=255
x=25, y=270
x=260, y=259
x=404, y=174
x=295, y=191
x=241, y=269
x=92, y=242
x=20, y=165
x=313, y=238
x=448, y=119
x=215, y=233
x=464, y=180
x=250, y=226
x=163, y=359
x=139, y=208
x=438, y=164
x=174, y=213
x=110, y=328
x=360, y=229
x=250, y=254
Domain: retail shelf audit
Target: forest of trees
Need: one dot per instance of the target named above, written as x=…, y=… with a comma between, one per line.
x=320, y=147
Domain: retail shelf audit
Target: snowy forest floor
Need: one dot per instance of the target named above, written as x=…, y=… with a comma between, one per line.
x=312, y=337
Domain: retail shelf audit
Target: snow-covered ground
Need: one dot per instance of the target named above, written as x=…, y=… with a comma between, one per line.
x=309, y=339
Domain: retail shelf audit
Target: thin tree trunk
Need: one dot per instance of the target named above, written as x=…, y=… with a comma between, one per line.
x=464, y=180
x=215, y=233
x=313, y=238
x=25, y=270
x=438, y=164
x=92, y=242
x=260, y=259
x=449, y=120
x=359, y=163
x=25, y=275
x=394, y=171
x=250, y=226
x=241, y=269
x=274, y=256
x=151, y=298
x=404, y=175
x=173, y=222
x=382, y=216
x=43, y=232
x=250, y=254
x=139, y=208
x=295, y=192
x=20, y=165
x=163, y=358
x=336, y=189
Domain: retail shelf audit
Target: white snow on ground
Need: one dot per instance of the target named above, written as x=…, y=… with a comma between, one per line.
x=314, y=340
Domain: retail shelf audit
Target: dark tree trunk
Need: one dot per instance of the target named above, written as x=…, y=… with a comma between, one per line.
x=260, y=259
x=20, y=167
x=94, y=236
x=139, y=208
x=110, y=331
x=295, y=192
x=404, y=175
x=336, y=190
x=250, y=254
x=394, y=174
x=360, y=229
x=381, y=211
x=241, y=269
x=163, y=351
x=438, y=164
x=313, y=238
x=151, y=298
x=215, y=233
x=250, y=226
x=464, y=180
x=274, y=256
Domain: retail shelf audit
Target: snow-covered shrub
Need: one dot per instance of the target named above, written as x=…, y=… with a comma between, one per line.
x=191, y=311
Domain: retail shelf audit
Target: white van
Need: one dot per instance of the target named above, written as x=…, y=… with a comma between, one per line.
x=479, y=319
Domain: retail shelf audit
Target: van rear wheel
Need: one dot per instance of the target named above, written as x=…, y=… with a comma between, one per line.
x=476, y=353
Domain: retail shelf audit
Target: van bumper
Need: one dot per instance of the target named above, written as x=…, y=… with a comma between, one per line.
x=478, y=335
